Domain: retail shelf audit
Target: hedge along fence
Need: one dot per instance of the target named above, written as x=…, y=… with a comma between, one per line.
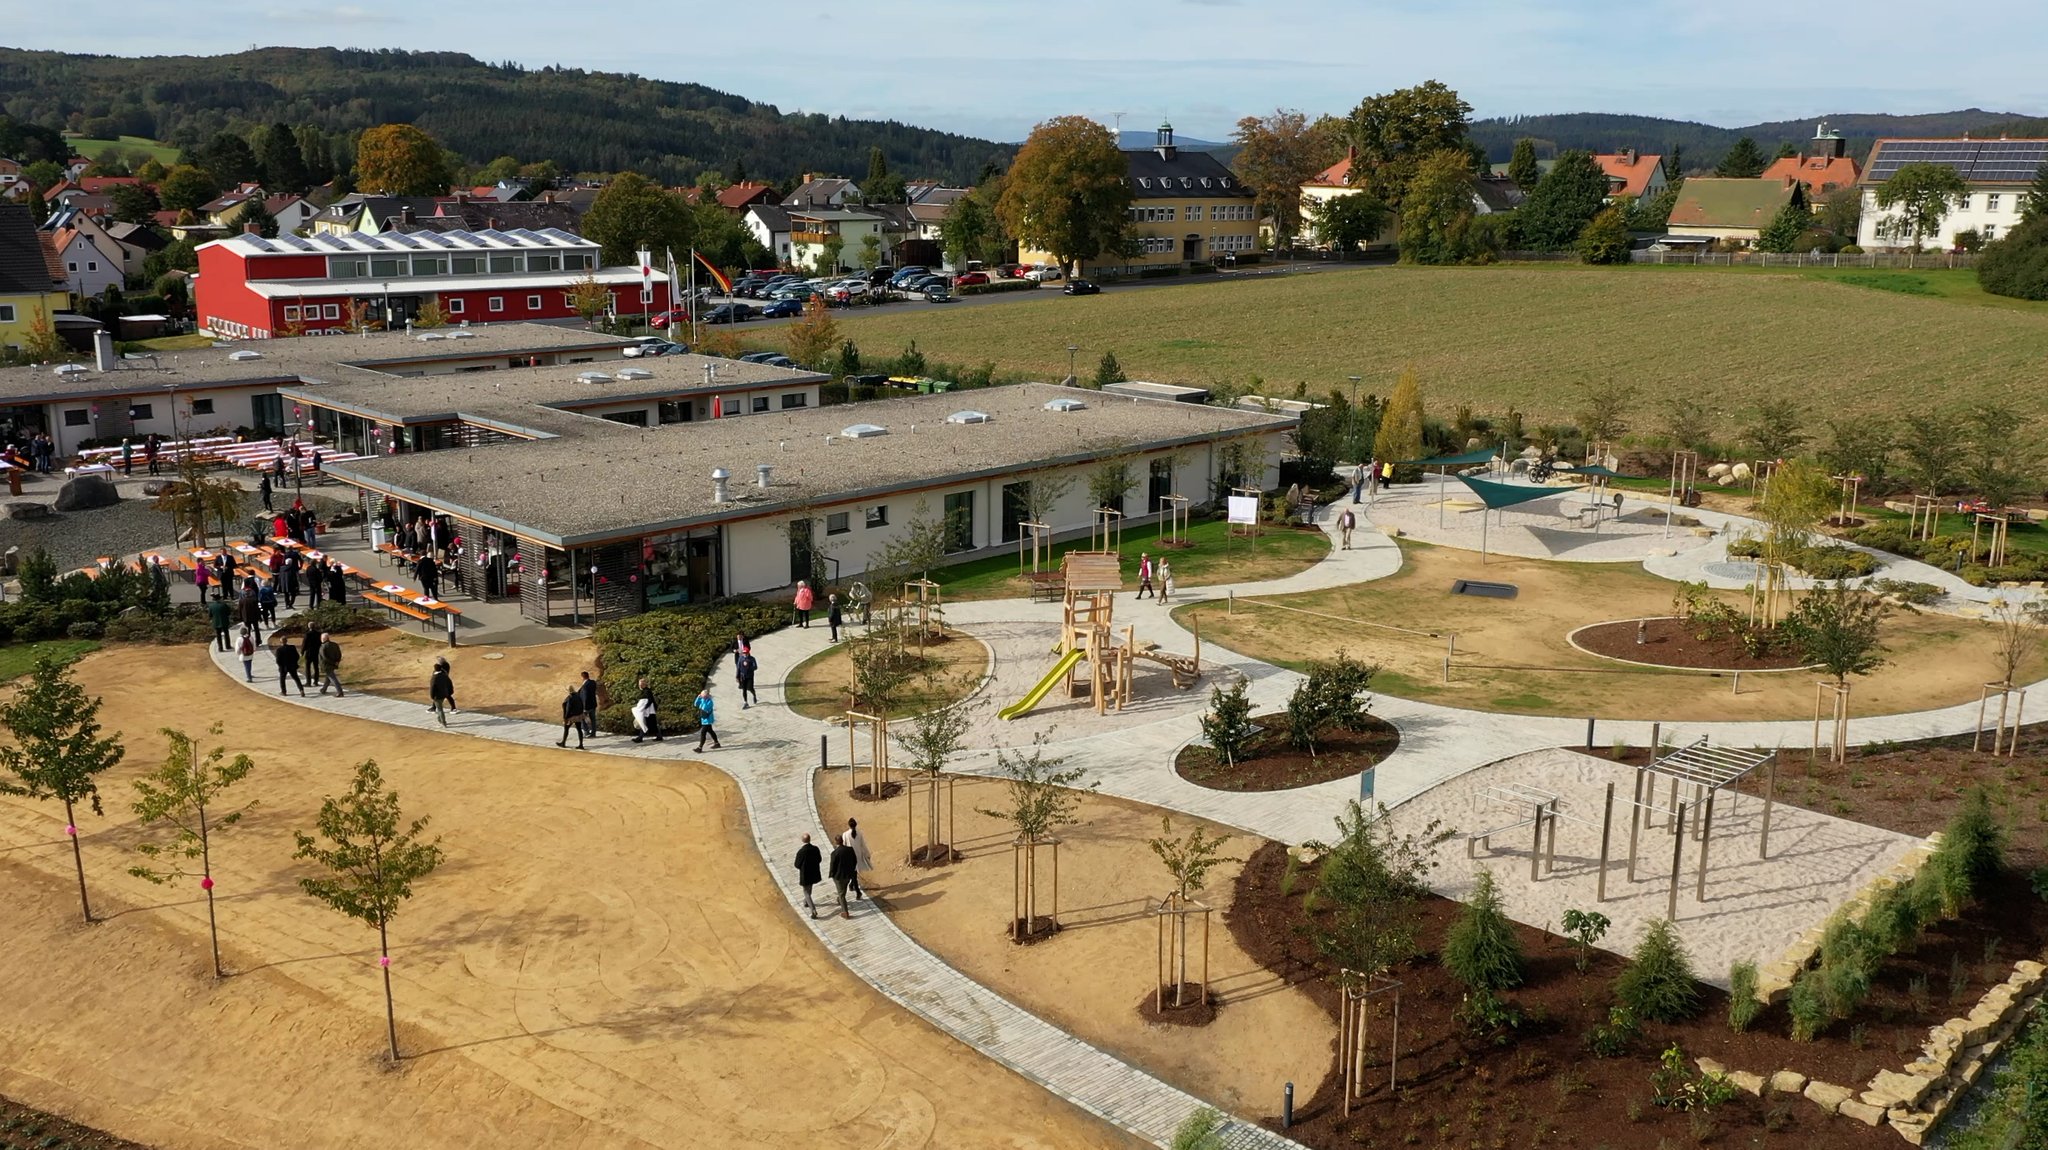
x=676, y=649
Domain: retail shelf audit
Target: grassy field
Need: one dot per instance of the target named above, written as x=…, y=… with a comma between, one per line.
x=128, y=146
x=1527, y=336
x=17, y=658
x=1215, y=556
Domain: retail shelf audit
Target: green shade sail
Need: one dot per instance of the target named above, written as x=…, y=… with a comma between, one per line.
x=1499, y=495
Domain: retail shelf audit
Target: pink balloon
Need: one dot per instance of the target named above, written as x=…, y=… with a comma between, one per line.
x=384, y=960
x=206, y=883
x=71, y=830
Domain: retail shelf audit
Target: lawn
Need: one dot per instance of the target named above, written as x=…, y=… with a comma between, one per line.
x=188, y=342
x=2020, y=535
x=817, y=687
x=1215, y=557
x=128, y=146
x=17, y=658
x=1530, y=337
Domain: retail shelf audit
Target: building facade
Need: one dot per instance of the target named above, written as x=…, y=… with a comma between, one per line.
x=31, y=279
x=254, y=288
x=1186, y=207
x=1998, y=174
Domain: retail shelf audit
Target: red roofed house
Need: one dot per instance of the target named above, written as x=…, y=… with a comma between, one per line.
x=291, y=211
x=1327, y=185
x=1632, y=176
x=739, y=197
x=1824, y=169
x=250, y=287
x=88, y=271
x=100, y=185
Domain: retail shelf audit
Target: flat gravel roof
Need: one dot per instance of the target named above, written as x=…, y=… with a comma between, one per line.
x=573, y=490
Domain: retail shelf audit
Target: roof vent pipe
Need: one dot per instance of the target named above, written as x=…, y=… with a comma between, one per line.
x=761, y=473
x=719, y=478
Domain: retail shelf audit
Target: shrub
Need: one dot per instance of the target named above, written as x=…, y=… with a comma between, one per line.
x=1480, y=949
x=1807, y=1007
x=1613, y=1038
x=339, y=618
x=1333, y=696
x=1489, y=1017
x=1228, y=724
x=1743, y=1006
x=1909, y=592
x=84, y=629
x=1587, y=927
x=676, y=649
x=1658, y=984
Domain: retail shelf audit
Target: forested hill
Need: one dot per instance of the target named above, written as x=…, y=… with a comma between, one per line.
x=1704, y=144
x=583, y=121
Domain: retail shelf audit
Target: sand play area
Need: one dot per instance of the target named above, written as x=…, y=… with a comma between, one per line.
x=1754, y=908
x=1513, y=655
x=601, y=962
x=1090, y=977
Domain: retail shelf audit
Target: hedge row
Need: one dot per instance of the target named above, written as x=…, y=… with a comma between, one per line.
x=677, y=650
x=1952, y=553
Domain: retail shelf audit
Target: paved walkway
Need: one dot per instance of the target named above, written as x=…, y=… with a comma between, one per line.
x=771, y=760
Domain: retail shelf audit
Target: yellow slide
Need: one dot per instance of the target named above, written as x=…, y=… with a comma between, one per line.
x=1037, y=694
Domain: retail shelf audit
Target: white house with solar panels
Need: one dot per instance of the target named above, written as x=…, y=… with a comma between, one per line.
x=1997, y=171
x=250, y=287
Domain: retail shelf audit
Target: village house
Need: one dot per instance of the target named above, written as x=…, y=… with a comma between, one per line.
x=1997, y=173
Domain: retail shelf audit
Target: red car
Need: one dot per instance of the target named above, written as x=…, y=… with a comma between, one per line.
x=966, y=279
x=679, y=315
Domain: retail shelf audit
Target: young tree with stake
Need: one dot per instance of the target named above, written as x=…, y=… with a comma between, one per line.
x=1188, y=860
x=371, y=859
x=933, y=739
x=1041, y=799
x=179, y=794
x=57, y=749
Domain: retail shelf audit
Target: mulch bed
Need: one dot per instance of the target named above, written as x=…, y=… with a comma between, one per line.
x=1914, y=788
x=1544, y=1087
x=940, y=855
x=865, y=792
x=1195, y=1013
x=1274, y=764
x=22, y=1128
x=1668, y=643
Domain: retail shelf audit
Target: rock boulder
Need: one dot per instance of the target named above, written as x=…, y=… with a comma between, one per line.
x=87, y=492
x=27, y=510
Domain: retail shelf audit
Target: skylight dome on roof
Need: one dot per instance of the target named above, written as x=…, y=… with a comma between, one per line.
x=862, y=431
x=968, y=417
x=1066, y=404
x=593, y=377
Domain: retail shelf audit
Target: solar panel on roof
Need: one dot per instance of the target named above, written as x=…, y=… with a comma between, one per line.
x=526, y=237
x=559, y=234
x=257, y=242
x=298, y=242
x=405, y=240
x=497, y=236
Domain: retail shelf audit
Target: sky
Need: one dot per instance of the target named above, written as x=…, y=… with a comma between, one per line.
x=993, y=68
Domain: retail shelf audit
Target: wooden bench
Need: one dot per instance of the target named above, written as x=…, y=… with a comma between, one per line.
x=1046, y=586
x=398, y=608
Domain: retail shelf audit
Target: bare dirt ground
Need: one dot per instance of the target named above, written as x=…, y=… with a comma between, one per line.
x=1091, y=976
x=518, y=682
x=1513, y=654
x=600, y=963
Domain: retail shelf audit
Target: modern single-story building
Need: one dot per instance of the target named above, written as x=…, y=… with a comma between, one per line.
x=228, y=387
x=593, y=518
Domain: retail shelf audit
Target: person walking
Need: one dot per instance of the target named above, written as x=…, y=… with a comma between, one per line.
x=316, y=582
x=591, y=690
x=1358, y=482
x=263, y=489
x=808, y=858
x=330, y=666
x=441, y=691
x=289, y=572
x=804, y=600
x=150, y=450
x=248, y=611
x=845, y=869
x=707, y=719
x=337, y=583
x=572, y=716
x=201, y=576
x=744, y=666
x=247, y=650
x=266, y=604
x=1144, y=575
x=833, y=616
x=222, y=615
x=863, y=862
x=1165, y=582
x=1345, y=523
x=309, y=654
x=287, y=656
x=429, y=575
x=646, y=713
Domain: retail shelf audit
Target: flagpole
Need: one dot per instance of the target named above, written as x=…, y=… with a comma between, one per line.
x=694, y=309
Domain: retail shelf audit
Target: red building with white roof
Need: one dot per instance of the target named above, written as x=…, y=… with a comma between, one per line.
x=252, y=287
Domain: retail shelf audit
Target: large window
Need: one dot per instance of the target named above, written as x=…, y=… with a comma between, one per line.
x=430, y=265
x=543, y=261
x=1016, y=509
x=144, y=411
x=390, y=266
x=6, y=313
x=681, y=567
x=1160, y=487
x=466, y=265
x=760, y=404
x=76, y=417
x=347, y=267
x=576, y=261
x=837, y=523
x=878, y=515
x=268, y=412
x=502, y=262
x=960, y=521
x=795, y=399
x=202, y=407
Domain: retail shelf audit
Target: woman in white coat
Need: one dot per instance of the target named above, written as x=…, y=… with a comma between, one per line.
x=863, y=861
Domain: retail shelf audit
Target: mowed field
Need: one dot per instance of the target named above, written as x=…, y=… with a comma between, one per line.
x=1526, y=336
x=128, y=146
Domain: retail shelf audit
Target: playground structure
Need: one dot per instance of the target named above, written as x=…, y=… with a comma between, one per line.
x=1087, y=633
x=1697, y=772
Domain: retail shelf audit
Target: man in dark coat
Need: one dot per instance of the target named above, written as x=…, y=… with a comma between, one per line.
x=844, y=870
x=572, y=716
x=330, y=666
x=429, y=573
x=288, y=667
x=221, y=613
x=589, y=692
x=807, y=859
x=248, y=611
x=309, y=654
x=337, y=583
x=316, y=582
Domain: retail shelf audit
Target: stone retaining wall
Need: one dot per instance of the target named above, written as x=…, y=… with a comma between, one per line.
x=1915, y=1100
x=1774, y=979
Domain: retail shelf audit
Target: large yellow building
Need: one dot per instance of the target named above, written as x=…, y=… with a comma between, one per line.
x=1186, y=207
x=31, y=285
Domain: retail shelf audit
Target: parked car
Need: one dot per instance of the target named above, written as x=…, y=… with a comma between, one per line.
x=783, y=309
x=906, y=274
x=1081, y=287
x=1044, y=273
x=729, y=313
x=651, y=346
x=672, y=316
x=758, y=356
x=777, y=359
x=937, y=293
x=969, y=279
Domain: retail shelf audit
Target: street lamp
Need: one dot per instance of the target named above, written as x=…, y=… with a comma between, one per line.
x=1071, y=349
